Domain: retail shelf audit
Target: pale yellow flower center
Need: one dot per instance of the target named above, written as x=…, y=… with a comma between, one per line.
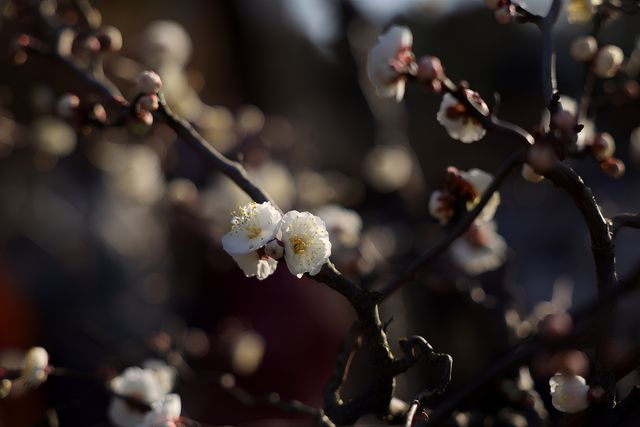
x=253, y=231
x=298, y=243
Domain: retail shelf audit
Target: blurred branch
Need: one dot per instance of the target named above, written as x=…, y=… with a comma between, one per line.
x=583, y=319
x=624, y=220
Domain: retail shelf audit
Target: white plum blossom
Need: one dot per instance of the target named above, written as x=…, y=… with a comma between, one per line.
x=253, y=264
x=138, y=383
x=480, y=249
x=252, y=226
x=344, y=225
x=306, y=242
x=458, y=122
x=480, y=181
x=584, y=48
x=165, y=412
x=389, y=60
x=569, y=393
x=35, y=367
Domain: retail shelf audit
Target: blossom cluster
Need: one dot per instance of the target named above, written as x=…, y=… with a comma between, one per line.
x=260, y=235
x=150, y=385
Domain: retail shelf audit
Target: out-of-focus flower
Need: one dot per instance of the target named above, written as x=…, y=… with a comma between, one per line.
x=165, y=412
x=35, y=367
x=390, y=59
x=247, y=352
x=529, y=174
x=480, y=249
x=581, y=11
x=254, y=264
x=149, y=102
x=441, y=206
x=584, y=48
x=148, y=82
x=569, y=393
x=165, y=374
x=480, y=180
x=276, y=181
x=613, y=167
x=136, y=383
x=306, y=242
x=53, y=136
x=602, y=146
x=344, y=225
x=455, y=118
x=166, y=42
x=388, y=168
x=252, y=226
x=430, y=72
x=608, y=61
x=138, y=176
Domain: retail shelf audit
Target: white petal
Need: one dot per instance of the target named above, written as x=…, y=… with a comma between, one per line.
x=381, y=74
x=252, y=265
x=252, y=228
x=311, y=230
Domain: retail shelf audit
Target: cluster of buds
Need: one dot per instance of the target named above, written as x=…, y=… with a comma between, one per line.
x=461, y=190
x=602, y=147
x=606, y=61
x=148, y=85
x=70, y=108
x=504, y=10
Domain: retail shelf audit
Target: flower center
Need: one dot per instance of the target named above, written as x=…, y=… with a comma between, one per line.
x=253, y=231
x=299, y=245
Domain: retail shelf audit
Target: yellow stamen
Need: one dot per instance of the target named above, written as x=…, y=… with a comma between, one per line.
x=299, y=245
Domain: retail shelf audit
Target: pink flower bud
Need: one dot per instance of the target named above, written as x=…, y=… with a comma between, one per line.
x=67, y=105
x=430, y=68
x=148, y=82
x=145, y=117
x=110, y=39
x=613, y=167
x=98, y=113
x=148, y=102
x=603, y=146
x=91, y=44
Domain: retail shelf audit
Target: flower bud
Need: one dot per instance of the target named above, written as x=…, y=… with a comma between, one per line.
x=584, y=48
x=98, y=113
x=529, y=174
x=110, y=39
x=613, y=167
x=91, y=44
x=145, y=117
x=429, y=68
x=505, y=14
x=67, y=105
x=274, y=249
x=608, y=61
x=148, y=82
x=148, y=102
x=603, y=146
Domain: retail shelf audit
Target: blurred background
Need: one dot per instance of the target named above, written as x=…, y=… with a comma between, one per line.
x=109, y=237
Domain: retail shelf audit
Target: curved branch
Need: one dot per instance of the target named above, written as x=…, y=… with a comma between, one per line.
x=624, y=220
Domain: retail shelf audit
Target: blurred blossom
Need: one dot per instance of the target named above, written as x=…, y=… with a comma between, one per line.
x=480, y=249
x=196, y=343
x=313, y=188
x=35, y=366
x=388, y=168
x=165, y=375
x=217, y=126
x=275, y=179
x=569, y=393
x=344, y=225
x=9, y=133
x=139, y=178
x=378, y=245
x=181, y=191
x=250, y=120
x=53, y=136
x=247, y=353
x=164, y=413
x=135, y=383
x=389, y=60
x=165, y=42
x=581, y=11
